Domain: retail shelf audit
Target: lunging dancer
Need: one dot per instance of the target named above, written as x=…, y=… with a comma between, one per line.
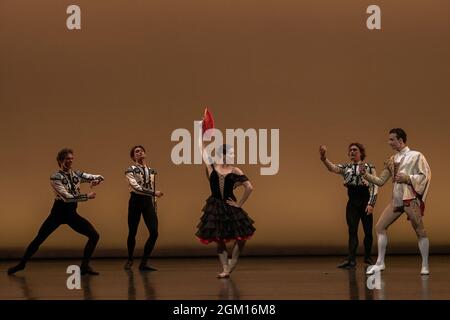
x=66, y=185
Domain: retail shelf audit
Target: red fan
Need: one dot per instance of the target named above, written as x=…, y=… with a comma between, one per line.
x=208, y=121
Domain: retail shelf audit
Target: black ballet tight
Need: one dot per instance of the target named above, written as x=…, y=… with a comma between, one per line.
x=137, y=205
x=64, y=213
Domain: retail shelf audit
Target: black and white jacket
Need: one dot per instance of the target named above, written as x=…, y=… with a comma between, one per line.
x=141, y=179
x=352, y=177
x=66, y=185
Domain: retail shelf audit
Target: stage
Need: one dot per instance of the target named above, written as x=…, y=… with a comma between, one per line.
x=256, y=278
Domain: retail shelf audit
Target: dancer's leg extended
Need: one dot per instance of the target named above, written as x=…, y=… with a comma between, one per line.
x=47, y=228
x=415, y=216
x=387, y=218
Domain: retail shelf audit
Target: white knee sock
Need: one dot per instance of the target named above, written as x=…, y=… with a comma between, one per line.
x=223, y=257
x=234, y=257
x=424, y=245
x=382, y=243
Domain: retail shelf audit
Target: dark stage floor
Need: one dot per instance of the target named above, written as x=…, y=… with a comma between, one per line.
x=287, y=278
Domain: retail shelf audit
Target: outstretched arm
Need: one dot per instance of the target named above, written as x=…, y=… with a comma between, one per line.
x=373, y=193
x=206, y=159
x=373, y=189
x=61, y=191
x=93, y=179
x=372, y=178
x=328, y=164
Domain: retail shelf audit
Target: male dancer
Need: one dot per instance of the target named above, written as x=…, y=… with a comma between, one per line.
x=411, y=176
x=141, y=179
x=66, y=185
x=362, y=197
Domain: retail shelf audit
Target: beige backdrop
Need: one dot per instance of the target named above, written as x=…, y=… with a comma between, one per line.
x=139, y=69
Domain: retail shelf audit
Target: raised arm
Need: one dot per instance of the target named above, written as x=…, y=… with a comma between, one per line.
x=328, y=164
x=205, y=157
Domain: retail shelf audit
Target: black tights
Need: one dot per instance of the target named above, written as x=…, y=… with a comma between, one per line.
x=64, y=213
x=140, y=204
x=354, y=214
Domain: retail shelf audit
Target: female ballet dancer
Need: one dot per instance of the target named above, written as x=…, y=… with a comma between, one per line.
x=223, y=218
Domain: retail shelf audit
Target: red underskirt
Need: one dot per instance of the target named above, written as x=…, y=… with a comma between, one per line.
x=207, y=241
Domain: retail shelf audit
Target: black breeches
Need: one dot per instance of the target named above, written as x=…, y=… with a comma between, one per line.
x=356, y=211
x=64, y=213
x=141, y=205
x=354, y=214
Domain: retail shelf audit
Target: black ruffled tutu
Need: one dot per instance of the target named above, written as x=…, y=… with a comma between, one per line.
x=222, y=222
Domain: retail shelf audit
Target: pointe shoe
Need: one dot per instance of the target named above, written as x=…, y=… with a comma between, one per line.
x=375, y=268
x=425, y=271
x=232, y=265
x=223, y=275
